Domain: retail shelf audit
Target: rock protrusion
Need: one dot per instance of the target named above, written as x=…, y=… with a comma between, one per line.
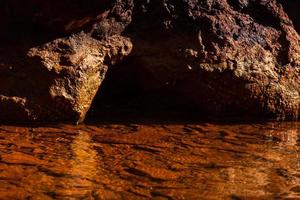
x=58, y=80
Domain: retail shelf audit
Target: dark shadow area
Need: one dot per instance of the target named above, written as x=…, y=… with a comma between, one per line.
x=123, y=99
x=291, y=7
x=36, y=22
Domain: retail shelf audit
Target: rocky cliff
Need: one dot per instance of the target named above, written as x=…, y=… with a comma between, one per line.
x=223, y=57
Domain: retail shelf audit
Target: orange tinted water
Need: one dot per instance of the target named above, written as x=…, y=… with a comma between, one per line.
x=154, y=161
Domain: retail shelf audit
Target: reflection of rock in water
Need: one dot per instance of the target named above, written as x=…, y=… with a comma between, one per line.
x=84, y=163
x=87, y=176
x=83, y=167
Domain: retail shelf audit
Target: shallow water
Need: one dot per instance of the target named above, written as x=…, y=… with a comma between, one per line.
x=157, y=161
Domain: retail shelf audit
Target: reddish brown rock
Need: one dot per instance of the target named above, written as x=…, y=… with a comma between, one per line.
x=227, y=57
x=57, y=80
x=48, y=74
x=224, y=57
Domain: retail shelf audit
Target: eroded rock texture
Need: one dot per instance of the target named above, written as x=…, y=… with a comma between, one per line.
x=43, y=78
x=225, y=56
x=58, y=80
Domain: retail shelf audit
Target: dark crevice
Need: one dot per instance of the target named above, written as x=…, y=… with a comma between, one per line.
x=266, y=17
x=283, y=54
x=123, y=96
x=292, y=8
x=262, y=14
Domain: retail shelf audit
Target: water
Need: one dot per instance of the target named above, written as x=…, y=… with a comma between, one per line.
x=157, y=161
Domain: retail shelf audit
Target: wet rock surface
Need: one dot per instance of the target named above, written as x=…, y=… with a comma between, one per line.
x=154, y=161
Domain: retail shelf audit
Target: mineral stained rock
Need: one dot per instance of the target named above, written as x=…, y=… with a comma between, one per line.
x=58, y=80
x=225, y=57
x=228, y=57
x=54, y=56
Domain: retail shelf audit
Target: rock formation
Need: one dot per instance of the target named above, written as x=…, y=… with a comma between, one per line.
x=55, y=80
x=225, y=57
x=58, y=80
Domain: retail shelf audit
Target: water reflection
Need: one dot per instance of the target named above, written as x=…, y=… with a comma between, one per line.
x=83, y=168
x=165, y=161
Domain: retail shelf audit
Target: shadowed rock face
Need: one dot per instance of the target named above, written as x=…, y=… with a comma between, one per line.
x=225, y=57
x=63, y=16
x=292, y=9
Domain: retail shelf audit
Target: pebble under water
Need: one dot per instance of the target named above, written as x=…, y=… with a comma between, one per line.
x=152, y=161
